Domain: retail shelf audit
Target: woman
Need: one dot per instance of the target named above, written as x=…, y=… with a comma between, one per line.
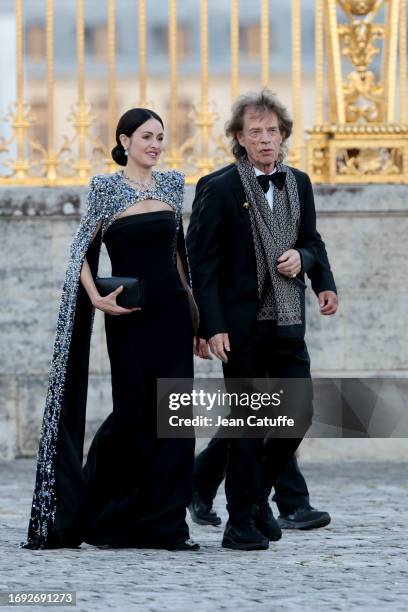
x=134, y=487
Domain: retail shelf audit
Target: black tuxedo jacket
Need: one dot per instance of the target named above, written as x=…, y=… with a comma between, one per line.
x=222, y=256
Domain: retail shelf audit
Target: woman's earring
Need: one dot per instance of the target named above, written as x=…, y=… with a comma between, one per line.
x=126, y=152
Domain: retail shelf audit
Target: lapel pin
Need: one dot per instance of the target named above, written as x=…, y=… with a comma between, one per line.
x=246, y=205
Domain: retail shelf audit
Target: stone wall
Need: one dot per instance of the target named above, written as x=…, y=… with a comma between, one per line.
x=365, y=229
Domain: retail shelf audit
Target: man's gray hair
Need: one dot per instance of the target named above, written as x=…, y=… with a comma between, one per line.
x=264, y=101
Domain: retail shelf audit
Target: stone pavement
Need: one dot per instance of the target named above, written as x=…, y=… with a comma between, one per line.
x=359, y=562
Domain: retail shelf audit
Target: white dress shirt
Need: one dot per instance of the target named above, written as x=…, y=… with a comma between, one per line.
x=269, y=193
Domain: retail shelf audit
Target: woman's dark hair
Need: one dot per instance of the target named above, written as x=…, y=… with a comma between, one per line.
x=127, y=124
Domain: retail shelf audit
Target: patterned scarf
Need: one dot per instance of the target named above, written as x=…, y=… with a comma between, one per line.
x=274, y=232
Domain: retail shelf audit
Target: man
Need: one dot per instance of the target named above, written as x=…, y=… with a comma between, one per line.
x=291, y=492
x=253, y=243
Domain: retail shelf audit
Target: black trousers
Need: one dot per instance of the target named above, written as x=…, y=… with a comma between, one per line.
x=209, y=471
x=253, y=466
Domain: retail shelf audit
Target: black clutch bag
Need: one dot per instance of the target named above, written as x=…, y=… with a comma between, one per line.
x=132, y=295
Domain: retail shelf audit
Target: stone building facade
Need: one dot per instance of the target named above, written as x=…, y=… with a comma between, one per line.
x=365, y=229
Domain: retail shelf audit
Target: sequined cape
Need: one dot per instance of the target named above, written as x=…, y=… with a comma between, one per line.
x=59, y=498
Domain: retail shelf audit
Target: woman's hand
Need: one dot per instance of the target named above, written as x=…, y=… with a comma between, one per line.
x=108, y=303
x=201, y=348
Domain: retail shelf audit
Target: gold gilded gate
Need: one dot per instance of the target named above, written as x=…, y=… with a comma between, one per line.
x=360, y=132
x=360, y=136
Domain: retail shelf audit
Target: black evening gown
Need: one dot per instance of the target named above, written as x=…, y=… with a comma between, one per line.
x=140, y=485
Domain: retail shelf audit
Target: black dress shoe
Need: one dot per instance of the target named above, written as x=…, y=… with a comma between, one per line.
x=266, y=523
x=304, y=517
x=186, y=545
x=244, y=537
x=201, y=512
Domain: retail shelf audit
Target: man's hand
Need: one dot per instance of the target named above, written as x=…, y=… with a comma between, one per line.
x=290, y=263
x=328, y=302
x=218, y=345
x=200, y=348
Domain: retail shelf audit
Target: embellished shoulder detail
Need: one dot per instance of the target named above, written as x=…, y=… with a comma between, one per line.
x=170, y=188
x=97, y=184
x=175, y=176
x=99, y=203
x=178, y=178
x=100, y=182
x=97, y=181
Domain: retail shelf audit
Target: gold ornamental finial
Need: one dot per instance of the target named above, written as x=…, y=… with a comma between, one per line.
x=360, y=139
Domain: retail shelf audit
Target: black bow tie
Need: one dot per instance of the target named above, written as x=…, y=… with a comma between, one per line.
x=277, y=178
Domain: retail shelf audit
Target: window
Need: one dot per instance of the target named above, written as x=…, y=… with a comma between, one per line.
x=160, y=40
x=101, y=125
x=96, y=41
x=185, y=127
x=183, y=41
x=250, y=40
x=35, y=42
x=38, y=130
